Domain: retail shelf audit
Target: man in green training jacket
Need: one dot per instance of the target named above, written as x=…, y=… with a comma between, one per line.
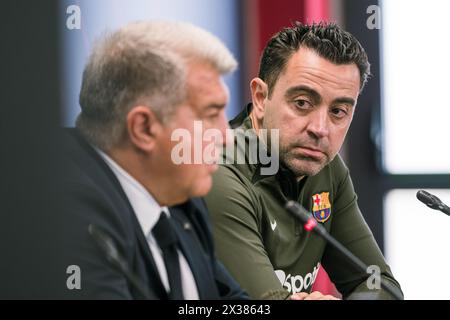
x=303, y=102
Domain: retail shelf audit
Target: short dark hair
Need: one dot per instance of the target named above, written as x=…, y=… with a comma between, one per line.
x=327, y=39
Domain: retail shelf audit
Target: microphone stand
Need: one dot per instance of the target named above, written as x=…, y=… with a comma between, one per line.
x=106, y=245
x=310, y=224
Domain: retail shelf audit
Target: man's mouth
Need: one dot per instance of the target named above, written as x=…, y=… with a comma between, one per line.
x=310, y=152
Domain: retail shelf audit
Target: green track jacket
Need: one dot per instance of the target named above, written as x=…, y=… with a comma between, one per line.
x=265, y=248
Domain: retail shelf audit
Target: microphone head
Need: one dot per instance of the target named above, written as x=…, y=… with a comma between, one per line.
x=432, y=201
x=297, y=210
x=106, y=244
x=423, y=196
x=428, y=199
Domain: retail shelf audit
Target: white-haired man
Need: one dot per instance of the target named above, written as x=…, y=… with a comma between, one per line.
x=140, y=84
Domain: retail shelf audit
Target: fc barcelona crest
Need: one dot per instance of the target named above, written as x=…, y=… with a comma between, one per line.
x=321, y=206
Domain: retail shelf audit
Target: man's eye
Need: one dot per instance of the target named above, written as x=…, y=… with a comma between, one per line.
x=213, y=116
x=303, y=104
x=339, y=112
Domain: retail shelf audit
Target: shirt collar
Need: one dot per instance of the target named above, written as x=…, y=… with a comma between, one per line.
x=145, y=207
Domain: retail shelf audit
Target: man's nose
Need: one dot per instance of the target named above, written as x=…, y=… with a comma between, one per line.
x=318, y=125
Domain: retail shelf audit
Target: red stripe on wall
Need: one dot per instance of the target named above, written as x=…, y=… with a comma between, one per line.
x=275, y=15
x=317, y=11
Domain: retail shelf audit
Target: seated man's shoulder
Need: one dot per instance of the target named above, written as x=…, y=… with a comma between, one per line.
x=338, y=170
x=229, y=181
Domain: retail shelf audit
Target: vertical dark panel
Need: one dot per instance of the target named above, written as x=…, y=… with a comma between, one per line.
x=28, y=120
x=362, y=150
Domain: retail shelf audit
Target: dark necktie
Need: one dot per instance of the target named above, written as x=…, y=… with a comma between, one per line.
x=167, y=240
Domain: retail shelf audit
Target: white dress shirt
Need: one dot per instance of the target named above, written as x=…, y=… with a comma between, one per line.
x=148, y=211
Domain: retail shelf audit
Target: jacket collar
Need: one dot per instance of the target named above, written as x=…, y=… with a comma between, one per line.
x=195, y=240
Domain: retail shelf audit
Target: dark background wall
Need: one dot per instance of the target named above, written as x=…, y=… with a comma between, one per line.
x=28, y=143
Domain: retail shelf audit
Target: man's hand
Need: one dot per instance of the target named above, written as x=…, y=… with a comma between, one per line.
x=316, y=295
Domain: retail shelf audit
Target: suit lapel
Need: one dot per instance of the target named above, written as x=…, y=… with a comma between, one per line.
x=193, y=250
x=152, y=270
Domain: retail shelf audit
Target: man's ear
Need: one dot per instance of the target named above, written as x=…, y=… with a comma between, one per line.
x=143, y=128
x=260, y=93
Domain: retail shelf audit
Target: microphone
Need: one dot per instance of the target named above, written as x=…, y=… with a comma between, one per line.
x=276, y=295
x=432, y=201
x=310, y=224
x=106, y=245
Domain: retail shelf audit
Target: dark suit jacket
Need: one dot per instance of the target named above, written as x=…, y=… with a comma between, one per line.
x=93, y=195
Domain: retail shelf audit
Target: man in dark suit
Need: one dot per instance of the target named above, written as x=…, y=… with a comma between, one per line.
x=135, y=225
